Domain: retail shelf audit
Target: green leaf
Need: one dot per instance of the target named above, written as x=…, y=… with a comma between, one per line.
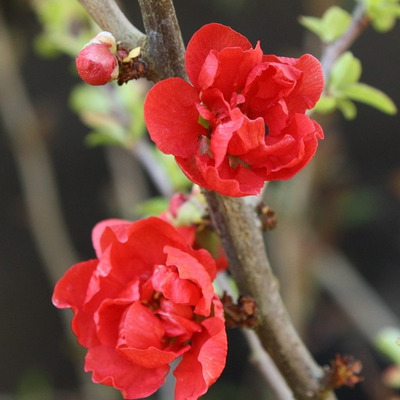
x=373, y=97
x=383, y=23
x=346, y=70
x=325, y=105
x=331, y=26
x=383, y=13
x=152, y=207
x=347, y=107
x=105, y=138
x=85, y=97
x=335, y=23
x=313, y=24
x=386, y=342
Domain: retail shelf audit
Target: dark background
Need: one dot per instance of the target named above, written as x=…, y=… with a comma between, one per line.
x=31, y=328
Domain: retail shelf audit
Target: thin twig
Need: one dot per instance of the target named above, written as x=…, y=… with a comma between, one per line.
x=109, y=17
x=359, y=22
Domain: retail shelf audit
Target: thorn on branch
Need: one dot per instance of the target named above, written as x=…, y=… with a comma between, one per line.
x=243, y=314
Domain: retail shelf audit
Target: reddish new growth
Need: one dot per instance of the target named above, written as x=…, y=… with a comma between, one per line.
x=343, y=371
x=243, y=314
x=242, y=119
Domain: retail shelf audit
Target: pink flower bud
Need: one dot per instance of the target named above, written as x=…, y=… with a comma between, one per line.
x=97, y=64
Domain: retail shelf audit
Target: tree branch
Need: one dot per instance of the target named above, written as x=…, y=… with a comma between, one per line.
x=241, y=237
x=164, y=50
x=109, y=17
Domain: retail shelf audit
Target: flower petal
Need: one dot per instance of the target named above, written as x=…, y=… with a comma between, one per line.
x=236, y=182
x=203, y=364
x=190, y=269
x=210, y=37
x=142, y=329
x=310, y=87
x=134, y=381
x=172, y=117
x=102, y=237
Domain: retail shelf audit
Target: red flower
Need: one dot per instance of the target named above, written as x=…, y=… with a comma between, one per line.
x=147, y=300
x=97, y=63
x=242, y=121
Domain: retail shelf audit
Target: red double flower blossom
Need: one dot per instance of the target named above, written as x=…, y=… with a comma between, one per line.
x=144, y=302
x=242, y=119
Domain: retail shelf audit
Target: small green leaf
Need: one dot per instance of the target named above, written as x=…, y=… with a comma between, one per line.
x=335, y=21
x=331, y=26
x=347, y=107
x=105, y=138
x=85, y=97
x=386, y=342
x=383, y=23
x=346, y=70
x=373, y=97
x=152, y=207
x=313, y=24
x=383, y=13
x=325, y=105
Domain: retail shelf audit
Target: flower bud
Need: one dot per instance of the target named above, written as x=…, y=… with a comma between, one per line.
x=97, y=63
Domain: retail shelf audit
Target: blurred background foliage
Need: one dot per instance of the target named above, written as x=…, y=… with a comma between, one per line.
x=72, y=155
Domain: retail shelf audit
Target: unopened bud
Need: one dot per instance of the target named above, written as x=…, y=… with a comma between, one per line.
x=97, y=64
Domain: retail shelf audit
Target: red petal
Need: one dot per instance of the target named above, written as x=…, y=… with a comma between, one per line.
x=180, y=291
x=249, y=136
x=102, y=237
x=228, y=181
x=210, y=37
x=109, y=318
x=172, y=117
x=228, y=69
x=71, y=289
x=203, y=364
x=310, y=87
x=189, y=268
x=150, y=358
x=142, y=328
x=132, y=260
x=134, y=381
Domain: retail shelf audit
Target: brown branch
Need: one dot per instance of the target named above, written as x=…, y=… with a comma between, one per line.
x=164, y=50
x=241, y=236
x=109, y=17
x=359, y=22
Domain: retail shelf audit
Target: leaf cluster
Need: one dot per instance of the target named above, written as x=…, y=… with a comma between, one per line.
x=383, y=13
x=343, y=88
